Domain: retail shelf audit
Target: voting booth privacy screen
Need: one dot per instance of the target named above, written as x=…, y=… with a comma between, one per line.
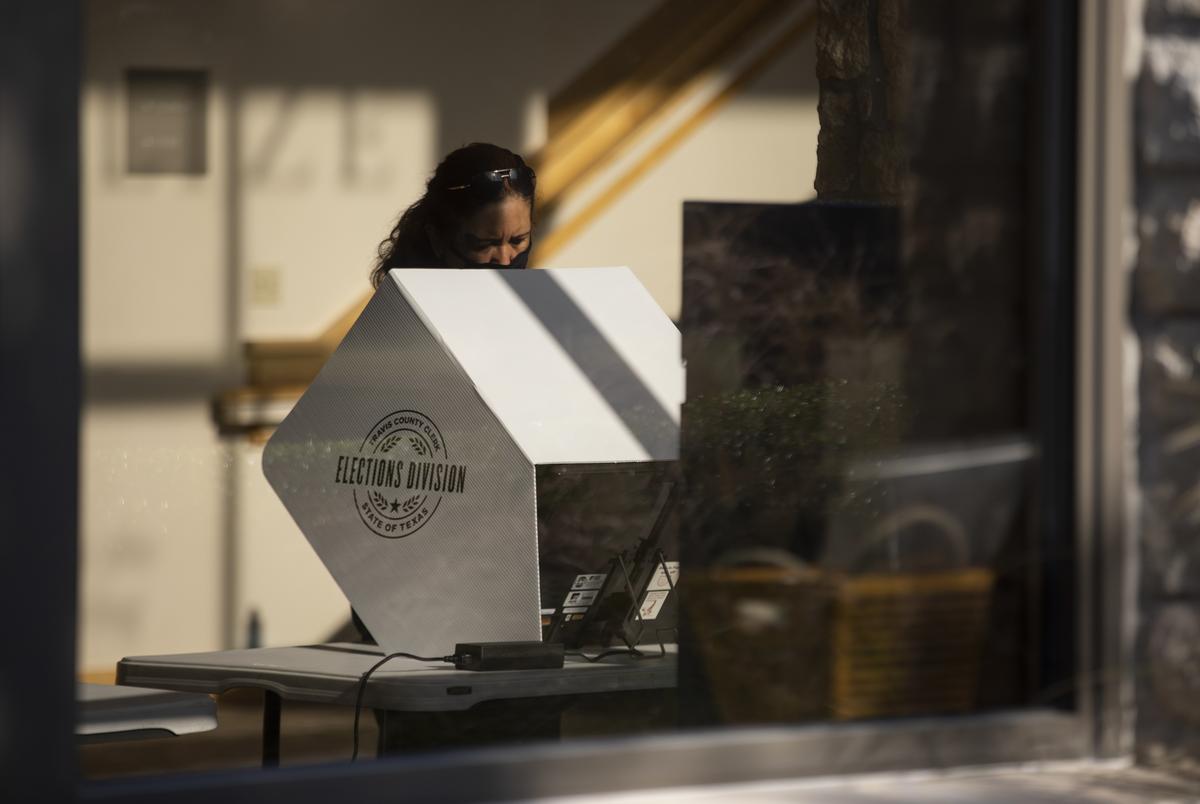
x=414, y=462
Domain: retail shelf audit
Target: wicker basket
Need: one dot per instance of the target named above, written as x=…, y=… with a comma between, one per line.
x=788, y=642
x=763, y=634
x=908, y=644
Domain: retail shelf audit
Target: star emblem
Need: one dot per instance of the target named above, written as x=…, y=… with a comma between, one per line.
x=395, y=505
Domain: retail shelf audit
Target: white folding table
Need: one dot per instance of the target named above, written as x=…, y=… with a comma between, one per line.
x=107, y=712
x=330, y=674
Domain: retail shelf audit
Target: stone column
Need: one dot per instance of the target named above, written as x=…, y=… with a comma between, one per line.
x=926, y=105
x=1166, y=313
x=860, y=66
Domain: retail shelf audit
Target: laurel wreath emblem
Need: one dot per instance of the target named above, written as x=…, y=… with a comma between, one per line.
x=413, y=448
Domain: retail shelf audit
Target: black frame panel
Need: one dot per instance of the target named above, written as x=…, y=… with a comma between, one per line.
x=40, y=50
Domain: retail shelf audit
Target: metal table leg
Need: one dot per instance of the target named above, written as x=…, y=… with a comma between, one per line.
x=272, y=710
x=381, y=744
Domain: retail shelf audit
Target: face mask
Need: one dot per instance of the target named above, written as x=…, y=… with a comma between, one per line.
x=518, y=262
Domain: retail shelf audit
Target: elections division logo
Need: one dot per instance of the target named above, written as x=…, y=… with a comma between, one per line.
x=401, y=475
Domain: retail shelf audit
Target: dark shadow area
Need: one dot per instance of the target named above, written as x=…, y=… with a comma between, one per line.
x=128, y=383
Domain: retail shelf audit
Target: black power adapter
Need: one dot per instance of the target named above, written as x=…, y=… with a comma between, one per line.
x=508, y=655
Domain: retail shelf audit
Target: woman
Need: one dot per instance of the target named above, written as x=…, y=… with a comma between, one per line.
x=477, y=212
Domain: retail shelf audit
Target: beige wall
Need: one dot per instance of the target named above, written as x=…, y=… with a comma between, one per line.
x=761, y=146
x=323, y=122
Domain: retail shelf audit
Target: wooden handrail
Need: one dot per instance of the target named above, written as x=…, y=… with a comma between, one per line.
x=566, y=230
x=696, y=36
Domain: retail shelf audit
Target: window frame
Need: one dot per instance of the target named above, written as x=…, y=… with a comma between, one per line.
x=1104, y=534
x=1106, y=528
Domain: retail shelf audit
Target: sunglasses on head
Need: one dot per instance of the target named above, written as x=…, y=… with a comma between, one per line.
x=491, y=182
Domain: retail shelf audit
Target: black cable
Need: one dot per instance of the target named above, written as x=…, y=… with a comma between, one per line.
x=614, y=652
x=362, y=685
x=628, y=650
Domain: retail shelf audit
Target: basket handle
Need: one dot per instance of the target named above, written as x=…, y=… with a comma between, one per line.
x=952, y=530
x=772, y=556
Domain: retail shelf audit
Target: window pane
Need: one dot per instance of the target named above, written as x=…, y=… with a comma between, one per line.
x=833, y=211
x=860, y=441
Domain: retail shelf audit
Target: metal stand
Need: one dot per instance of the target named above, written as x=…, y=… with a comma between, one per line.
x=272, y=711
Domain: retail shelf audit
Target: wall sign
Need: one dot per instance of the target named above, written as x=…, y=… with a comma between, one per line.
x=167, y=121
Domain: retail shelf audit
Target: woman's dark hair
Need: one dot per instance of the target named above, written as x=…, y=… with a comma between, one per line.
x=408, y=245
